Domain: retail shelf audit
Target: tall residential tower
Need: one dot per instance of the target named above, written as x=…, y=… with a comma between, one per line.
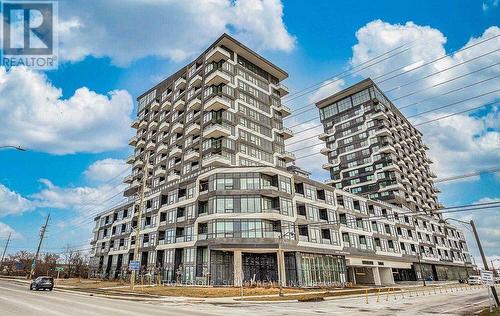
x=373, y=150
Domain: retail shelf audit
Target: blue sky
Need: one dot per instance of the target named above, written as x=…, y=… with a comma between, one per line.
x=77, y=135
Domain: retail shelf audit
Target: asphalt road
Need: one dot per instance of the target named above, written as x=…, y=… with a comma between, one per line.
x=17, y=299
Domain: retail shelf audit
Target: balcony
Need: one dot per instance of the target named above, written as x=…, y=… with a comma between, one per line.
x=216, y=131
x=327, y=166
x=286, y=133
x=135, y=124
x=215, y=160
x=173, y=177
x=217, y=77
x=382, y=131
x=177, y=127
x=387, y=149
x=179, y=105
x=193, y=129
x=150, y=146
x=194, y=104
x=282, y=89
x=325, y=150
x=287, y=156
x=143, y=124
x=128, y=179
x=141, y=143
x=285, y=110
x=324, y=136
x=133, y=141
x=131, y=159
x=162, y=149
x=176, y=151
x=153, y=125
x=217, y=103
x=217, y=54
x=166, y=105
x=155, y=105
x=163, y=127
x=195, y=81
x=379, y=114
x=180, y=83
x=138, y=163
x=192, y=155
x=160, y=172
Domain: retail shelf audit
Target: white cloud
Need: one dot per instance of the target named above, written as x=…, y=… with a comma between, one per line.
x=33, y=114
x=459, y=144
x=489, y=4
x=105, y=170
x=5, y=230
x=328, y=88
x=84, y=200
x=12, y=202
x=168, y=29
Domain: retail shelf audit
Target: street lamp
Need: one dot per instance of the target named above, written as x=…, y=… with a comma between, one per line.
x=13, y=147
x=281, y=265
x=483, y=257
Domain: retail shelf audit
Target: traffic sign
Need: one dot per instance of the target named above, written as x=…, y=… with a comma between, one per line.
x=60, y=269
x=487, y=277
x=134, y=266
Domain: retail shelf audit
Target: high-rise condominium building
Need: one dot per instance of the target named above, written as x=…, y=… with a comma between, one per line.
x=221, y=207
x=373, y=150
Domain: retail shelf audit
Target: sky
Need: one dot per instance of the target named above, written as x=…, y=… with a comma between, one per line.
x=75, y=120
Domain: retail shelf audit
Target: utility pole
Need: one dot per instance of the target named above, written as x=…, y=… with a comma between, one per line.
x=5, y=250
x=42, y=234
x=139, y=218
x=485, y=263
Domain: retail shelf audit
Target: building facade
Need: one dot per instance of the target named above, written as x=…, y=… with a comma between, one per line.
x=374, y=151
x=221, y=206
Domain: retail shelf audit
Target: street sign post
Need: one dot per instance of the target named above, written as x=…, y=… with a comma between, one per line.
x=134, y=265
x=488, y=279
x=59, y=270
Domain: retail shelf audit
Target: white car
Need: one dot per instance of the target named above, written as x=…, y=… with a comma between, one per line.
x=474, y=280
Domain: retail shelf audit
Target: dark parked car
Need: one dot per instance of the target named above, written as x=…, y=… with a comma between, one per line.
x=43, y=282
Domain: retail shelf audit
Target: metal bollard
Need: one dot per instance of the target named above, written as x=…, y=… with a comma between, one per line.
x=366, y=295
x=378, y=295
x=394, y=292
x=387, y=296
x=402, y=293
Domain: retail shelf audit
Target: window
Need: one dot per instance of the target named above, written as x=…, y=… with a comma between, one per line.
x=325, y=234
x=362, y=240
x=323, y=214
x=343, y=219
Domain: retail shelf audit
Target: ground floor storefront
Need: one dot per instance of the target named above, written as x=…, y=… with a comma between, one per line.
x=439, y=272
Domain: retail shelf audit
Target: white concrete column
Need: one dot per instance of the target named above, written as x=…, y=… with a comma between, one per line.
x=238, y=268
x=281, y=265
x=386, y=276
x=376, y=276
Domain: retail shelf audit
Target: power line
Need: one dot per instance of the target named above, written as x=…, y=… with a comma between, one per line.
x=468, y=175
x=344, y=74
x=449, y=92
x=411, y=82
x=428, y=63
